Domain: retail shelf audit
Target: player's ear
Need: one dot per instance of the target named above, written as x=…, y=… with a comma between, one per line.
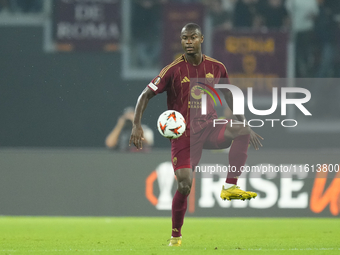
x=202, y=38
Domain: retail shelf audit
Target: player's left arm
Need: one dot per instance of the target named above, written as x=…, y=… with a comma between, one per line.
x=228, y=96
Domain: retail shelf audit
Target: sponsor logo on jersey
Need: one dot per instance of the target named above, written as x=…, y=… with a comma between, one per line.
x=174, y=160
x=196, y=92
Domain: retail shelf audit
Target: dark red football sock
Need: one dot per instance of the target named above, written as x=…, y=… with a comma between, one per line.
x=237, y=157
x=179, y=207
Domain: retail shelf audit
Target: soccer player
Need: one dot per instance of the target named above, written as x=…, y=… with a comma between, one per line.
x=200, y=133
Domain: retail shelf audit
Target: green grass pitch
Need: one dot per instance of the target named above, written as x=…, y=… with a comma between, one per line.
x=63, y=235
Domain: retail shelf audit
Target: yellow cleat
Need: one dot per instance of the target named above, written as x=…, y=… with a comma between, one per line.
x=234, y=192
x=175, y=241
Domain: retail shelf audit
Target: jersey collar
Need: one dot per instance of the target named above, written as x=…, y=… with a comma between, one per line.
x=203, y=56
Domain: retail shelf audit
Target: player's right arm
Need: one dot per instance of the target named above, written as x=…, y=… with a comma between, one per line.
x=156, y=86
x=137, y=135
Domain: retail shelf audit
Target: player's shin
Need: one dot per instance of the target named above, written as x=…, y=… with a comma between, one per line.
x=179, y=207
x=237, y=158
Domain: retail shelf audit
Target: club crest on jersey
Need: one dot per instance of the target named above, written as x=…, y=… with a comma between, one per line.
x=209, y=77
x=196, y=92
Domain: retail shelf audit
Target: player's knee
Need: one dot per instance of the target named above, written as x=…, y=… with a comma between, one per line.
x=184, y=187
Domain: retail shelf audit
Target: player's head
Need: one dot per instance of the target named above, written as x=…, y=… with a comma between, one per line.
x=128, y=114
x=129, y=110
x=191, y=38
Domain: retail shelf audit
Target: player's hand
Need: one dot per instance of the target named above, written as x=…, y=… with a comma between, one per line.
x=137, y=137
x=255, y=140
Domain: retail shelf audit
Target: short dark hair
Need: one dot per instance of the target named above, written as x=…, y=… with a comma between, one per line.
x=192, y=26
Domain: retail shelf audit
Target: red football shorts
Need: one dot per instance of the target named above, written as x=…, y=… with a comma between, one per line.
x=186, y=151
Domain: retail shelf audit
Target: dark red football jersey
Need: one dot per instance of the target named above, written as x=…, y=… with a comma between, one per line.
x=184, y=91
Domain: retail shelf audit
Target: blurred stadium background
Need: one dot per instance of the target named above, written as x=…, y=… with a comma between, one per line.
x=69, y=68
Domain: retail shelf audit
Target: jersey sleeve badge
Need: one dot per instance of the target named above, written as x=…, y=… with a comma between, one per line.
x=157, y=80
x=153, y=85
